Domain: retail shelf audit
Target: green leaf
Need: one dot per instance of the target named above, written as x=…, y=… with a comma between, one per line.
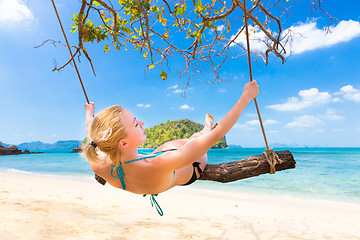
x=147, y=6
x=198, y=7
x=125, y=29
x=163, y=75
x=166, y=35
x=154, y=8
x=184, y=6
x=163, y=21
x=106, y=48
x=159, y=16
x=194, y=34
x=182, y=11
x=209, y=24
x=122, y=2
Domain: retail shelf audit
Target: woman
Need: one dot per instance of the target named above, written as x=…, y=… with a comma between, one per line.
x=115, y=134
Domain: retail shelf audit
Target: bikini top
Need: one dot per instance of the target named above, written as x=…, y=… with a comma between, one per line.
x=121, y=176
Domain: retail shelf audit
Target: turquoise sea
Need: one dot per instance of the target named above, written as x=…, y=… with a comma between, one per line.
x=325, y=173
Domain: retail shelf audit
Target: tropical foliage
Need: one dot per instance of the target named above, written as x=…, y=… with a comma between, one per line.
x=199, y=34
x=172, y=130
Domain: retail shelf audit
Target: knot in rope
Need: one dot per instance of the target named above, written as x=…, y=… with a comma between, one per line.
x=272, y=158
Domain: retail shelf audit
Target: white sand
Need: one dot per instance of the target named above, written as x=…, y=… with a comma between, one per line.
x=36, y=207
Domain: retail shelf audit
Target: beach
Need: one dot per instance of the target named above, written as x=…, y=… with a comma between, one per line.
x=42, y=207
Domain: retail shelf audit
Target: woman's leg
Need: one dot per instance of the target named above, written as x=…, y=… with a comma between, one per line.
x=209, y=121
x=176, y=144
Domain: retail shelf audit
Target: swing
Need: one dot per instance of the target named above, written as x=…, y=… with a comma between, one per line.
x=268, y=162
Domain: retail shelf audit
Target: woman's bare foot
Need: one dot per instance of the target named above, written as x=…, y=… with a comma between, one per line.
x=209, y=121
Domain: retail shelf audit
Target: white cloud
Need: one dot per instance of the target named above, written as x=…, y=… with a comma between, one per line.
x=270, y=122
x=336, y=100
x=186, y=107
x=173, y=87
x=243, y=126
x=350, y=93
x=332, y=114
x=256, y=37
x=308, y=98
x=304, y=36
x=14, y=11
x=141, y=105
x=253, y=122
x=256, y=122
x=305, y=121
x=178, y=91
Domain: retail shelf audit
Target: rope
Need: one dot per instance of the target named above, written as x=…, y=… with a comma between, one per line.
x=97, y=177
x=71, y=55
x=271, y=157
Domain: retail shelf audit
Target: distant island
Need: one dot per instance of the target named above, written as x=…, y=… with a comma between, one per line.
x=172, y=130
x=64, y=145
x=40, y=146
x=13, y=150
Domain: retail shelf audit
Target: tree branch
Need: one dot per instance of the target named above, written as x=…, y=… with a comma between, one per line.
x=249, y=167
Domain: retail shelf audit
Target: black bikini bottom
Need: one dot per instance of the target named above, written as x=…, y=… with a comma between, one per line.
x=194, y=177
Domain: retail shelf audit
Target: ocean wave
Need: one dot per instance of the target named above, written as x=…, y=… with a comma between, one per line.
x=69, y=175
x=13, y=170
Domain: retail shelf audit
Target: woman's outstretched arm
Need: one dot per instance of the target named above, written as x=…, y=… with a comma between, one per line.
x=197, y=147
x=251, y=90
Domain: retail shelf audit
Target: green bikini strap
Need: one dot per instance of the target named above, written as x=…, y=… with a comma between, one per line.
x=120, y=172
x=153, y=201
x=155, y=204
x=120, y=175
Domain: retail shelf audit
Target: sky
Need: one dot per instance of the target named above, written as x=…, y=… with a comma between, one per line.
x=311, y=100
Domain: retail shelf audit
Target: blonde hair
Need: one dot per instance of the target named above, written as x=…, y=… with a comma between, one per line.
x=106, y=130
